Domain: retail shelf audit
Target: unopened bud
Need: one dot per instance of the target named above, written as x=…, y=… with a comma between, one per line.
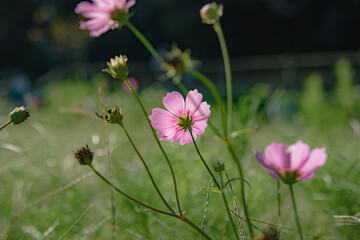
x=113, y=115
x=19, y=114
x=211, y=13
x=219, y=167
x=118, y=67
x=84, y=155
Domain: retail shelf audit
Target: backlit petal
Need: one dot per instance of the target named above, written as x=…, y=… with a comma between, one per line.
x=192, y=102
x=174, y=103
x=299, y=154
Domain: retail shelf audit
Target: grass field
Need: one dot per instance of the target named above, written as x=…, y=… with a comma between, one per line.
x=44, y=191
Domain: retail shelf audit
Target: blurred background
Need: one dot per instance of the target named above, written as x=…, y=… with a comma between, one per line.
x=296, y=76
x=278, y=42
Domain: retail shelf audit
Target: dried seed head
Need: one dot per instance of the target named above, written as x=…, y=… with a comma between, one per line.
x=84, y=155
x=19, y=114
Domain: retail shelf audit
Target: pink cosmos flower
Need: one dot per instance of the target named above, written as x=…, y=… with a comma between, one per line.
x=134, y=84
x=103, y=15
x=293, y=163
x=172, y=123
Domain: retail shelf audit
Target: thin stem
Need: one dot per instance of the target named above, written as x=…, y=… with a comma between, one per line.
x=279, y=204
x=144, y=41
x=191, y=224
x=212, y=88
x=242, y=184
x=227, y=207
x=227, y=67
x=206, y=206
x=129, y=197
x=112, y=201
x=76, y=222
x=271, y=224
x=202, y=159
x=220, y=188
x=3, y=126
x=295, y=211
x=180, y=216
x=158, y=142
x=182, y=88
x=236, y=207
x=147, y=169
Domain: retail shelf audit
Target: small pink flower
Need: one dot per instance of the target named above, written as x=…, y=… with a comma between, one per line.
x=172, y=124
x=293, y=163
x=134, y=84
x=103, y=15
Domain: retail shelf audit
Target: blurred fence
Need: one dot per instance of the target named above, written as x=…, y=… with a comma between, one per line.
x=288, y=69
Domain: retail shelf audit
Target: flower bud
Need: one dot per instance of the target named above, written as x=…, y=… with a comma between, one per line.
x=211, y=13
x=219, y=167
x=84, y=155
x=118, y=67
x=114, y=115
x=19, y=114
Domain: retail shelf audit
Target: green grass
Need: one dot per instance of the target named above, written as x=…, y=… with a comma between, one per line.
x=37, y=166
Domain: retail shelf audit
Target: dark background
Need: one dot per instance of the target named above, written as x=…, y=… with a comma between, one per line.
x=37, y=35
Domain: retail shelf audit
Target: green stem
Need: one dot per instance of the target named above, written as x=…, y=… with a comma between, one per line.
x=191, y=224
x=158, y=142
x=129, y=197
x=147, y=169
x=212, y=88
x=3, y=126
x=220, y=188
x=295, y=211
x=144, y=41
x=227, y=67
x=180, y=216
x=279, y=204
x=182, y=88
x=242, y=184
x=76, y=222
x=202, y=159
x=227, y=207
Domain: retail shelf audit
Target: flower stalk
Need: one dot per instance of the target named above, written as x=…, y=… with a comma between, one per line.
x=295, y=212
x=149, y=207
x=6, y=124
x=203, y=161
x=227, y=207
x=147, y=169
x=228, y=77
x=242, y=185
x=219, y=187
x=158, y=143
x=144, y=41
x=279, y=204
